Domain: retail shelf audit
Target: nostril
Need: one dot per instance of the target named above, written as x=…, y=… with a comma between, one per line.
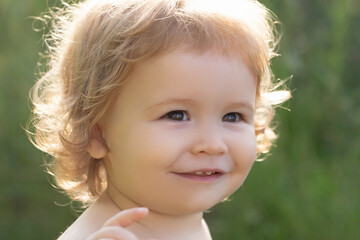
x=209, y=144
x=211, y=151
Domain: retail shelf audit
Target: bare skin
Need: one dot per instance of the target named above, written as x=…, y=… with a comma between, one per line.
x=105, y=220
x=179, y=139
x=91, y=220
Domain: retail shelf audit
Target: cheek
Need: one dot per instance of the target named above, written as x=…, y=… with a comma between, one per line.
x=156, y=147
x=242, y=149
x=244, y=152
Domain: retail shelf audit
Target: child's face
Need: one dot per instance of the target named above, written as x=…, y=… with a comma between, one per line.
x=181, y=117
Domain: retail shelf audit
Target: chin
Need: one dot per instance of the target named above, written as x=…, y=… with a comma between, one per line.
x=193, y=207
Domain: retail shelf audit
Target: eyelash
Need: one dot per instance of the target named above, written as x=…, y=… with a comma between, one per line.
x=237, y=117
x=180, y=115
x=177, y=115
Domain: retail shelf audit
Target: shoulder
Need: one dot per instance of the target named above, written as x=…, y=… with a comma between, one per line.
x=73, y=233
x=83, y=227
x=90, y=221
x=206, y=229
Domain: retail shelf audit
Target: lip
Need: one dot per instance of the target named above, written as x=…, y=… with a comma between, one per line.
x=218, y=173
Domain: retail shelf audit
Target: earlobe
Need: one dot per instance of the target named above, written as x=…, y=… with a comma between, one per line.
x=97, y=147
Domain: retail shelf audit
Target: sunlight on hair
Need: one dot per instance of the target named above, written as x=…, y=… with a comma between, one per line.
x=93, y=46
x=277, y=97
x=242, y=10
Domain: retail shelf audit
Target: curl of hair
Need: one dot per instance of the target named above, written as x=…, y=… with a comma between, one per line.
x=94, y=45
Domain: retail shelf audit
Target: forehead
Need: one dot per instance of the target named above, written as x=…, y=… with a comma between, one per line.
x=190, y=57
x=200, y=50
x=192, y=74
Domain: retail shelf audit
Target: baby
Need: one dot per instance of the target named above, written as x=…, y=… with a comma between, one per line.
x=155, y=111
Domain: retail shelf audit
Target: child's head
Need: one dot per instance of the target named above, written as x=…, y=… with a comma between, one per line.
x=96, y=46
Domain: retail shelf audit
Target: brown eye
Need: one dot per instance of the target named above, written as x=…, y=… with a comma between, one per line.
x=177, y=116
x=233, y=117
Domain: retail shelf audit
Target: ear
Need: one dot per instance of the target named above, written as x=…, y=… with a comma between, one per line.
x=97, y=147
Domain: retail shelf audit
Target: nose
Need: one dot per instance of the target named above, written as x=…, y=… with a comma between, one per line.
x=210, y=142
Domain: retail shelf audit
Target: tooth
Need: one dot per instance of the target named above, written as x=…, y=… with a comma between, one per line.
x=208, y=173
x=199, y=173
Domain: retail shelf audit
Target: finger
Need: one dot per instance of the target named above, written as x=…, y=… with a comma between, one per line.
x=127, y=217
x=113, y=232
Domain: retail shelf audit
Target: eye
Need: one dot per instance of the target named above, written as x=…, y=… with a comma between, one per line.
x=177, y=115
x=233, y=117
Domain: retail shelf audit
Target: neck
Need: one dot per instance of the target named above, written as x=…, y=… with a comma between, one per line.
x=162, y=225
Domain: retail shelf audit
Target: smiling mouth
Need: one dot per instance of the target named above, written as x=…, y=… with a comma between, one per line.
x=202, y=173
x=202, y=176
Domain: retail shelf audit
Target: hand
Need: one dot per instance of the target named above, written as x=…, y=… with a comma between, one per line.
x=114, y=228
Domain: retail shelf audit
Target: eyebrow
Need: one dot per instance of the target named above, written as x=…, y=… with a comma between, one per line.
x=170, y=101
x=242, y=105
x=186, y=101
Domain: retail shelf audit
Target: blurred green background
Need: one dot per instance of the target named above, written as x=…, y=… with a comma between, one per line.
x=308, y=188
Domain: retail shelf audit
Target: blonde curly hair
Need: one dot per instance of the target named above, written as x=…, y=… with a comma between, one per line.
x=94, y=45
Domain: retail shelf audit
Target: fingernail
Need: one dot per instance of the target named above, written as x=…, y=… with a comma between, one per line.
x=142, y=209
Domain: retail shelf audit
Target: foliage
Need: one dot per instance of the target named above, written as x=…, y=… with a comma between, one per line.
x=306, y=189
